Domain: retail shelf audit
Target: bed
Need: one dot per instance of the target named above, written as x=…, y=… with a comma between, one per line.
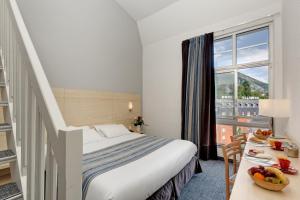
x=131, y=166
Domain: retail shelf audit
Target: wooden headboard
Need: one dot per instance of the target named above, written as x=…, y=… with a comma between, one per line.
x=86, y=107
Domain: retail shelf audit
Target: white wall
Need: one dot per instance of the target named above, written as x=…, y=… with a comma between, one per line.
x=162, y=34
x=291, y=41
x=90, y=44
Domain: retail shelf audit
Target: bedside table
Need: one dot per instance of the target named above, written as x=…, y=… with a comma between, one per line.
x=133, y=131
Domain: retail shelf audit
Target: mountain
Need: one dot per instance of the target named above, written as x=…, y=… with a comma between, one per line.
x=255, y=84
x=225, y=85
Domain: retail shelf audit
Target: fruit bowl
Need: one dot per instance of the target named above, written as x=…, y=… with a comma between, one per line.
x=263, y=134
x=268, y=185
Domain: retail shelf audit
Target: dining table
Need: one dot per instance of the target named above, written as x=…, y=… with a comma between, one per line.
x=244, y=187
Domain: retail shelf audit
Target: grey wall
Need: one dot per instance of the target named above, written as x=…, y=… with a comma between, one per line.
x=90, y=44
x=291, y=58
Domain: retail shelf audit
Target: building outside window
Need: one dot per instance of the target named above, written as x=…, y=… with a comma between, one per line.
x=243, y=67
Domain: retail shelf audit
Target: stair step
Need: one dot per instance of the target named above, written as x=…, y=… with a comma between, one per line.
x=7, y=156
x=5, y=127
x=10, y=191
x=3, y=103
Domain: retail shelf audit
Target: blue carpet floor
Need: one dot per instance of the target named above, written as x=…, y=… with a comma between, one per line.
x=208, y=185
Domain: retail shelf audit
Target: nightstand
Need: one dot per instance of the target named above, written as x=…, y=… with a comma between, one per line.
x=133, y=130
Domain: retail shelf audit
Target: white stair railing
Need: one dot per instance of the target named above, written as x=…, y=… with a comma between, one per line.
x=39, y=126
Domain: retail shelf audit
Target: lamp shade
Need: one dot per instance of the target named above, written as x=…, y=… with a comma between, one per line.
x=274, y=108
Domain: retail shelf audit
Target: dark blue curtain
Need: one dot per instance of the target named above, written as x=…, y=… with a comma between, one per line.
x=198, y=95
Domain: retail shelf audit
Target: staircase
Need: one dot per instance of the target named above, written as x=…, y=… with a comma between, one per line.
x=44, y=156
x=8, y=157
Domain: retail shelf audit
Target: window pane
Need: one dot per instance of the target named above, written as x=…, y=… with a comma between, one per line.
x=253, y=46
x=225, y=94
x=253, y=84
x=223, y=52
x=223, y=133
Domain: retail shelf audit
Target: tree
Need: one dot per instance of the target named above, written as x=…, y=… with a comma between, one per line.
x=244, y=89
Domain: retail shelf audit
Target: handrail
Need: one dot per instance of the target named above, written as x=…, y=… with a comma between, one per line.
x=48, y=97
x=35, y=112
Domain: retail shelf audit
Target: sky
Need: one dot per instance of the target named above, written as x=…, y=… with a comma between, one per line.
x=259, y=73
x=251, y=46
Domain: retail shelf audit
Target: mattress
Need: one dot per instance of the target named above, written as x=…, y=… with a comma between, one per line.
x=139, y=179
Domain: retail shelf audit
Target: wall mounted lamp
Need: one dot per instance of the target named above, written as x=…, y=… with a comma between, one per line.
x=130, y=106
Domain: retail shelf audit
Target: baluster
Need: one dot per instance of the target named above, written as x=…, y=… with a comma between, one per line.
x=18, y=96
x=40, y=156
x=6, y=35
x=24, y=111
x=12, y=67
x=31, y=141
x=15, y=75
x=11, y=60
x=1, y=25
x=3, y=30
x=51, y=174
x=7, y=45
x=6, y=28
x=9, y=54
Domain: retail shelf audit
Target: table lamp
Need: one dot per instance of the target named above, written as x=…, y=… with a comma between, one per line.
x=279, y=109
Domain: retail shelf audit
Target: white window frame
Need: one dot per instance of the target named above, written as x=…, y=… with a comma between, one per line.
x=233, y=32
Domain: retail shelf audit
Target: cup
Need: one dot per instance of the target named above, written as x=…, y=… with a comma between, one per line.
x=278, y=144
x=284, y=163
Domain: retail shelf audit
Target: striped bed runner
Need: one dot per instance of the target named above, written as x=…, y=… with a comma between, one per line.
x=104, y=160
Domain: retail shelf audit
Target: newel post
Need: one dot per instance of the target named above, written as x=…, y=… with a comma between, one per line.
x=70, y=165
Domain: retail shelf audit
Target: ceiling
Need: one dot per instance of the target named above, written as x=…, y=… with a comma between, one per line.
x=139, y=9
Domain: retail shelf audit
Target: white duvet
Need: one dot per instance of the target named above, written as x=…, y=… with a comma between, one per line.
x=138, y=180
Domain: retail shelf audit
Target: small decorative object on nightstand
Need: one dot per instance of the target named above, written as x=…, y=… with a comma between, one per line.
x=138, y=123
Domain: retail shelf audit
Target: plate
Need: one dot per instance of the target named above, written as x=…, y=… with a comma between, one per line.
x=254, y=152
x=260, y=156
x=257, y=141
x=290, y=170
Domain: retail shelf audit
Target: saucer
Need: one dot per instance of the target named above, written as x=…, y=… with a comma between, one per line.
x=281, y=149
x=290, y=170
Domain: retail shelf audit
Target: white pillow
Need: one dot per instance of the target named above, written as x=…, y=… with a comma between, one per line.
x=89, y=135
x=112, y=130
x=79, y=127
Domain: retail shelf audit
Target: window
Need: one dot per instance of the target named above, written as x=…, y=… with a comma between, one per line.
x=242, y=66
x=223, y=52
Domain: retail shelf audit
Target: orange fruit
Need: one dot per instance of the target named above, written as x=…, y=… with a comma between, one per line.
x=259, y=176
